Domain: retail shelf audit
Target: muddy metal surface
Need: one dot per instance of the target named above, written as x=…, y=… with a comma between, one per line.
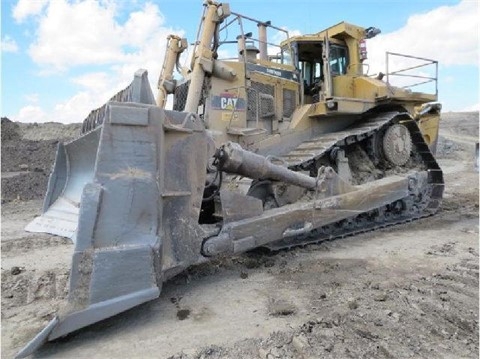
x=405, y=291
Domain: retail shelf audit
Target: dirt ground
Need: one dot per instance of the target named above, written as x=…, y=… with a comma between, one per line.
x=409, y=291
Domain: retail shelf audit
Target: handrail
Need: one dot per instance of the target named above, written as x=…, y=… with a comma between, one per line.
x=400, y=73
x=260, y=22
x=241, y=21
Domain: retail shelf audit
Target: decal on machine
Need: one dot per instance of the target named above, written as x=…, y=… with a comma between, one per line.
x=229, y=116
x=227, y=101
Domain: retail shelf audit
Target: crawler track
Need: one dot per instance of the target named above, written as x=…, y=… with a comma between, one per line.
x=425, y=194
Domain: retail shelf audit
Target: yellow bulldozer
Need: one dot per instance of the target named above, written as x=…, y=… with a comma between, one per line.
x=275, y=146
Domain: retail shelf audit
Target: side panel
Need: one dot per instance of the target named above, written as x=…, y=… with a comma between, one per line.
x=429, y=125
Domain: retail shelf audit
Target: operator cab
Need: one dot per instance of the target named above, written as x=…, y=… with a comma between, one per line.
x=309, y=61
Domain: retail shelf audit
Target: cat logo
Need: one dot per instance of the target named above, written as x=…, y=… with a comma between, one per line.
x=228, y=103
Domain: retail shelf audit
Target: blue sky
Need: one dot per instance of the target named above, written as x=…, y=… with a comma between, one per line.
x=63, y=58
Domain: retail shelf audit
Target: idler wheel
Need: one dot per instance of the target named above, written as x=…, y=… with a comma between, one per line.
x=397, y=144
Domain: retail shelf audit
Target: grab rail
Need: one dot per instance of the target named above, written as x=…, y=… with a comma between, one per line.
x=401, y=73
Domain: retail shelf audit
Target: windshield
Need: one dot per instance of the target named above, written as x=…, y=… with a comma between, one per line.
x=287, y=56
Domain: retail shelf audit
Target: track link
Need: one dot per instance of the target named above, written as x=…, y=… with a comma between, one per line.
x=423, y=200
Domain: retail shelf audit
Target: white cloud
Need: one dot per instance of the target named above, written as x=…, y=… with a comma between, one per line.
x=26, y=8
x=92, y=35
x=31, y=113
x=277, y=37
x=141, y=25
x=95, y=90
x=93, y=80
x=448, y=34
x=80, y=33
x=72, y=108
x=8, y=44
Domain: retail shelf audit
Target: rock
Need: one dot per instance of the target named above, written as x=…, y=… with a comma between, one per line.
x=329, y=347
x=352, y=303
x=183, y=314
x=23, y=167
x=251, y=263
x=243, y=275
x=326, y=333
x=300, y=342
x=381, y=297
x=337, y=320
x=396, y=316
x=269, y=262
x=279, y=308
x=275, y=353
x=16, y=270
x=366, y=334
x=262, y=353
x=376, y=286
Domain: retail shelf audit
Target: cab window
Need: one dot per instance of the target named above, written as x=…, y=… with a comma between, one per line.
x=338, y=60
x=286, y=56
x=310, y=62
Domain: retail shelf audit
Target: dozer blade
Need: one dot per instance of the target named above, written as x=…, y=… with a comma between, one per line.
x=130, y=193
x=73, y=169
x=74, y=166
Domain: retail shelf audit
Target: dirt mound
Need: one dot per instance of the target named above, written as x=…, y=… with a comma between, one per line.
x=49, y=131
x=461, y=123
x=24, y=186
x=36, y=156
x=10, y=130
x=447, y=148
x=28, y=153
x=26, y=166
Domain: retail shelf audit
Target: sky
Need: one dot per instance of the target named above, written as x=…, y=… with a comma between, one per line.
x=60, y=59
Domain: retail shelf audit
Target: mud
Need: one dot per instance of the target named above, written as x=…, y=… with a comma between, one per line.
x=409, y=291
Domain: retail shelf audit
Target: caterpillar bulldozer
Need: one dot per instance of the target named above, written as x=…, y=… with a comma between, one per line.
x=277, y=146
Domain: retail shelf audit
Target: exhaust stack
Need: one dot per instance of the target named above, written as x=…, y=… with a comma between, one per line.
x=262, y=39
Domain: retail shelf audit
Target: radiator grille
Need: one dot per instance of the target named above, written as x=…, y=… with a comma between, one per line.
x=288, y=103
x=260, y=100
x=180, y=98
